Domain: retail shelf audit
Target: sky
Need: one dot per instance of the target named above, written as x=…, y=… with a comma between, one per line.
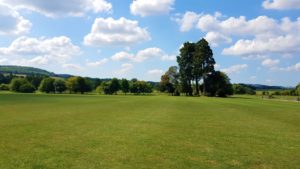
x=254, y=41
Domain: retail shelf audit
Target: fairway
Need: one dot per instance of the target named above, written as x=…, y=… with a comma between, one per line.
x=116, y=132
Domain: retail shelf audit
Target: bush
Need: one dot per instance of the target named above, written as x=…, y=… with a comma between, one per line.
x=47, y=85
x=21, y=85
x=4, y=87
x=26, y=88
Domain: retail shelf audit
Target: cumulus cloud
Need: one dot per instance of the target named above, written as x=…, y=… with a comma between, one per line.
x=11, y=22
x=187, y=21
x=40, y=51
x=151, y=7
x=98, y=63
x=115, y=32
x=121, y=56
x=214, y=38
x=258, y=36
x=55, y=8
x=235, y=69
x=288, y=44
x=270, y=62
x=281, y=4
x=143, y=55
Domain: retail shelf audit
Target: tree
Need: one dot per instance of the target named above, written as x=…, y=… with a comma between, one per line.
x=138, y=87
x=298, y=91
x=195, y=62
x=170, y=81
x=35, y=80
x=243, y=89
x=47, y=85
x=203, y=63
x=186, y=68
x=21, y=85
x=218, y=84
x=60, y=85
x=114, y=85
x=26, y=88
x=78, y=84
x=4, y=86
x=125, y=86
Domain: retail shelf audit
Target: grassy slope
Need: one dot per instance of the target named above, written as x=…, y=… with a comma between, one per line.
x=47, y=131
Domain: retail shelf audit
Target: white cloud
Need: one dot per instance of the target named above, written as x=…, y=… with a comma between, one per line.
x=11, y=23
x=143, y=55
x=155, y=72
x=270, y=63
x=188, y=20
x=109, y=31
x=281, y=4
x=126, y=67
x=235, y=69
x=40, y=51
x=55, y=8
x=295, y=67
x=264, y=35
x=151, y=7
x=121, y=56
x=279, y=45
x=214, y=38
x=72, y=66
x=98, y=63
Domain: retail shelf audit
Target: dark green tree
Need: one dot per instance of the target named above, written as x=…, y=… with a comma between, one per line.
x=60, y=85
x=203, y=63
x=218, y=84
x=78, y=84
x=47, y=85
x=115, y=85
x=125, y=86
x=185, y=63
x=21, y=85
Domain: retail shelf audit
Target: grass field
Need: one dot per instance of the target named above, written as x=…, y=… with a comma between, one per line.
x=118, y=132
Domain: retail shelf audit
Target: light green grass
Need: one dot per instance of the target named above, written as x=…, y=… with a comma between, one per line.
x=119, y=132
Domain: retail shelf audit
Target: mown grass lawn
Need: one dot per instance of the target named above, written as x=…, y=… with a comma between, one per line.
x=119, y=132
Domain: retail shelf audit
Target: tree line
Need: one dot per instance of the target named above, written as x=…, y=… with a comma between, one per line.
x=30, y=84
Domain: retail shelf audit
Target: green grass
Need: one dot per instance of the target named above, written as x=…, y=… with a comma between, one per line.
x=118, y=132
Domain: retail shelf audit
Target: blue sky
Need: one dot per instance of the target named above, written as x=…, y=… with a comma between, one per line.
x=254, y=41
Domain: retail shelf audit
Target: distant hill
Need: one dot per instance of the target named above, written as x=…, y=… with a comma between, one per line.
x=266, y=87
x=25, y=70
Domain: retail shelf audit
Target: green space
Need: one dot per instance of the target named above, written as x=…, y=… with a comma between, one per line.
x=117, y=131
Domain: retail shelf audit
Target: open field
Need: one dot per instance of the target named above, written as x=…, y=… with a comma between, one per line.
x=73, y=131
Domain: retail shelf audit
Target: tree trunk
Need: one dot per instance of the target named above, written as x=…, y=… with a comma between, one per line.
x=197, y=87
x=204, y=86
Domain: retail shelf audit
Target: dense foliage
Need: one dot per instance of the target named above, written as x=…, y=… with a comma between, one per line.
x=243, y=89
x=195, y=65
x=21, y=85
x=218, y=84
x=134, y=86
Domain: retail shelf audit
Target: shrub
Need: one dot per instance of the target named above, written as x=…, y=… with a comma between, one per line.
x=4, y=87
x=26, y=88
x=21, y=85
